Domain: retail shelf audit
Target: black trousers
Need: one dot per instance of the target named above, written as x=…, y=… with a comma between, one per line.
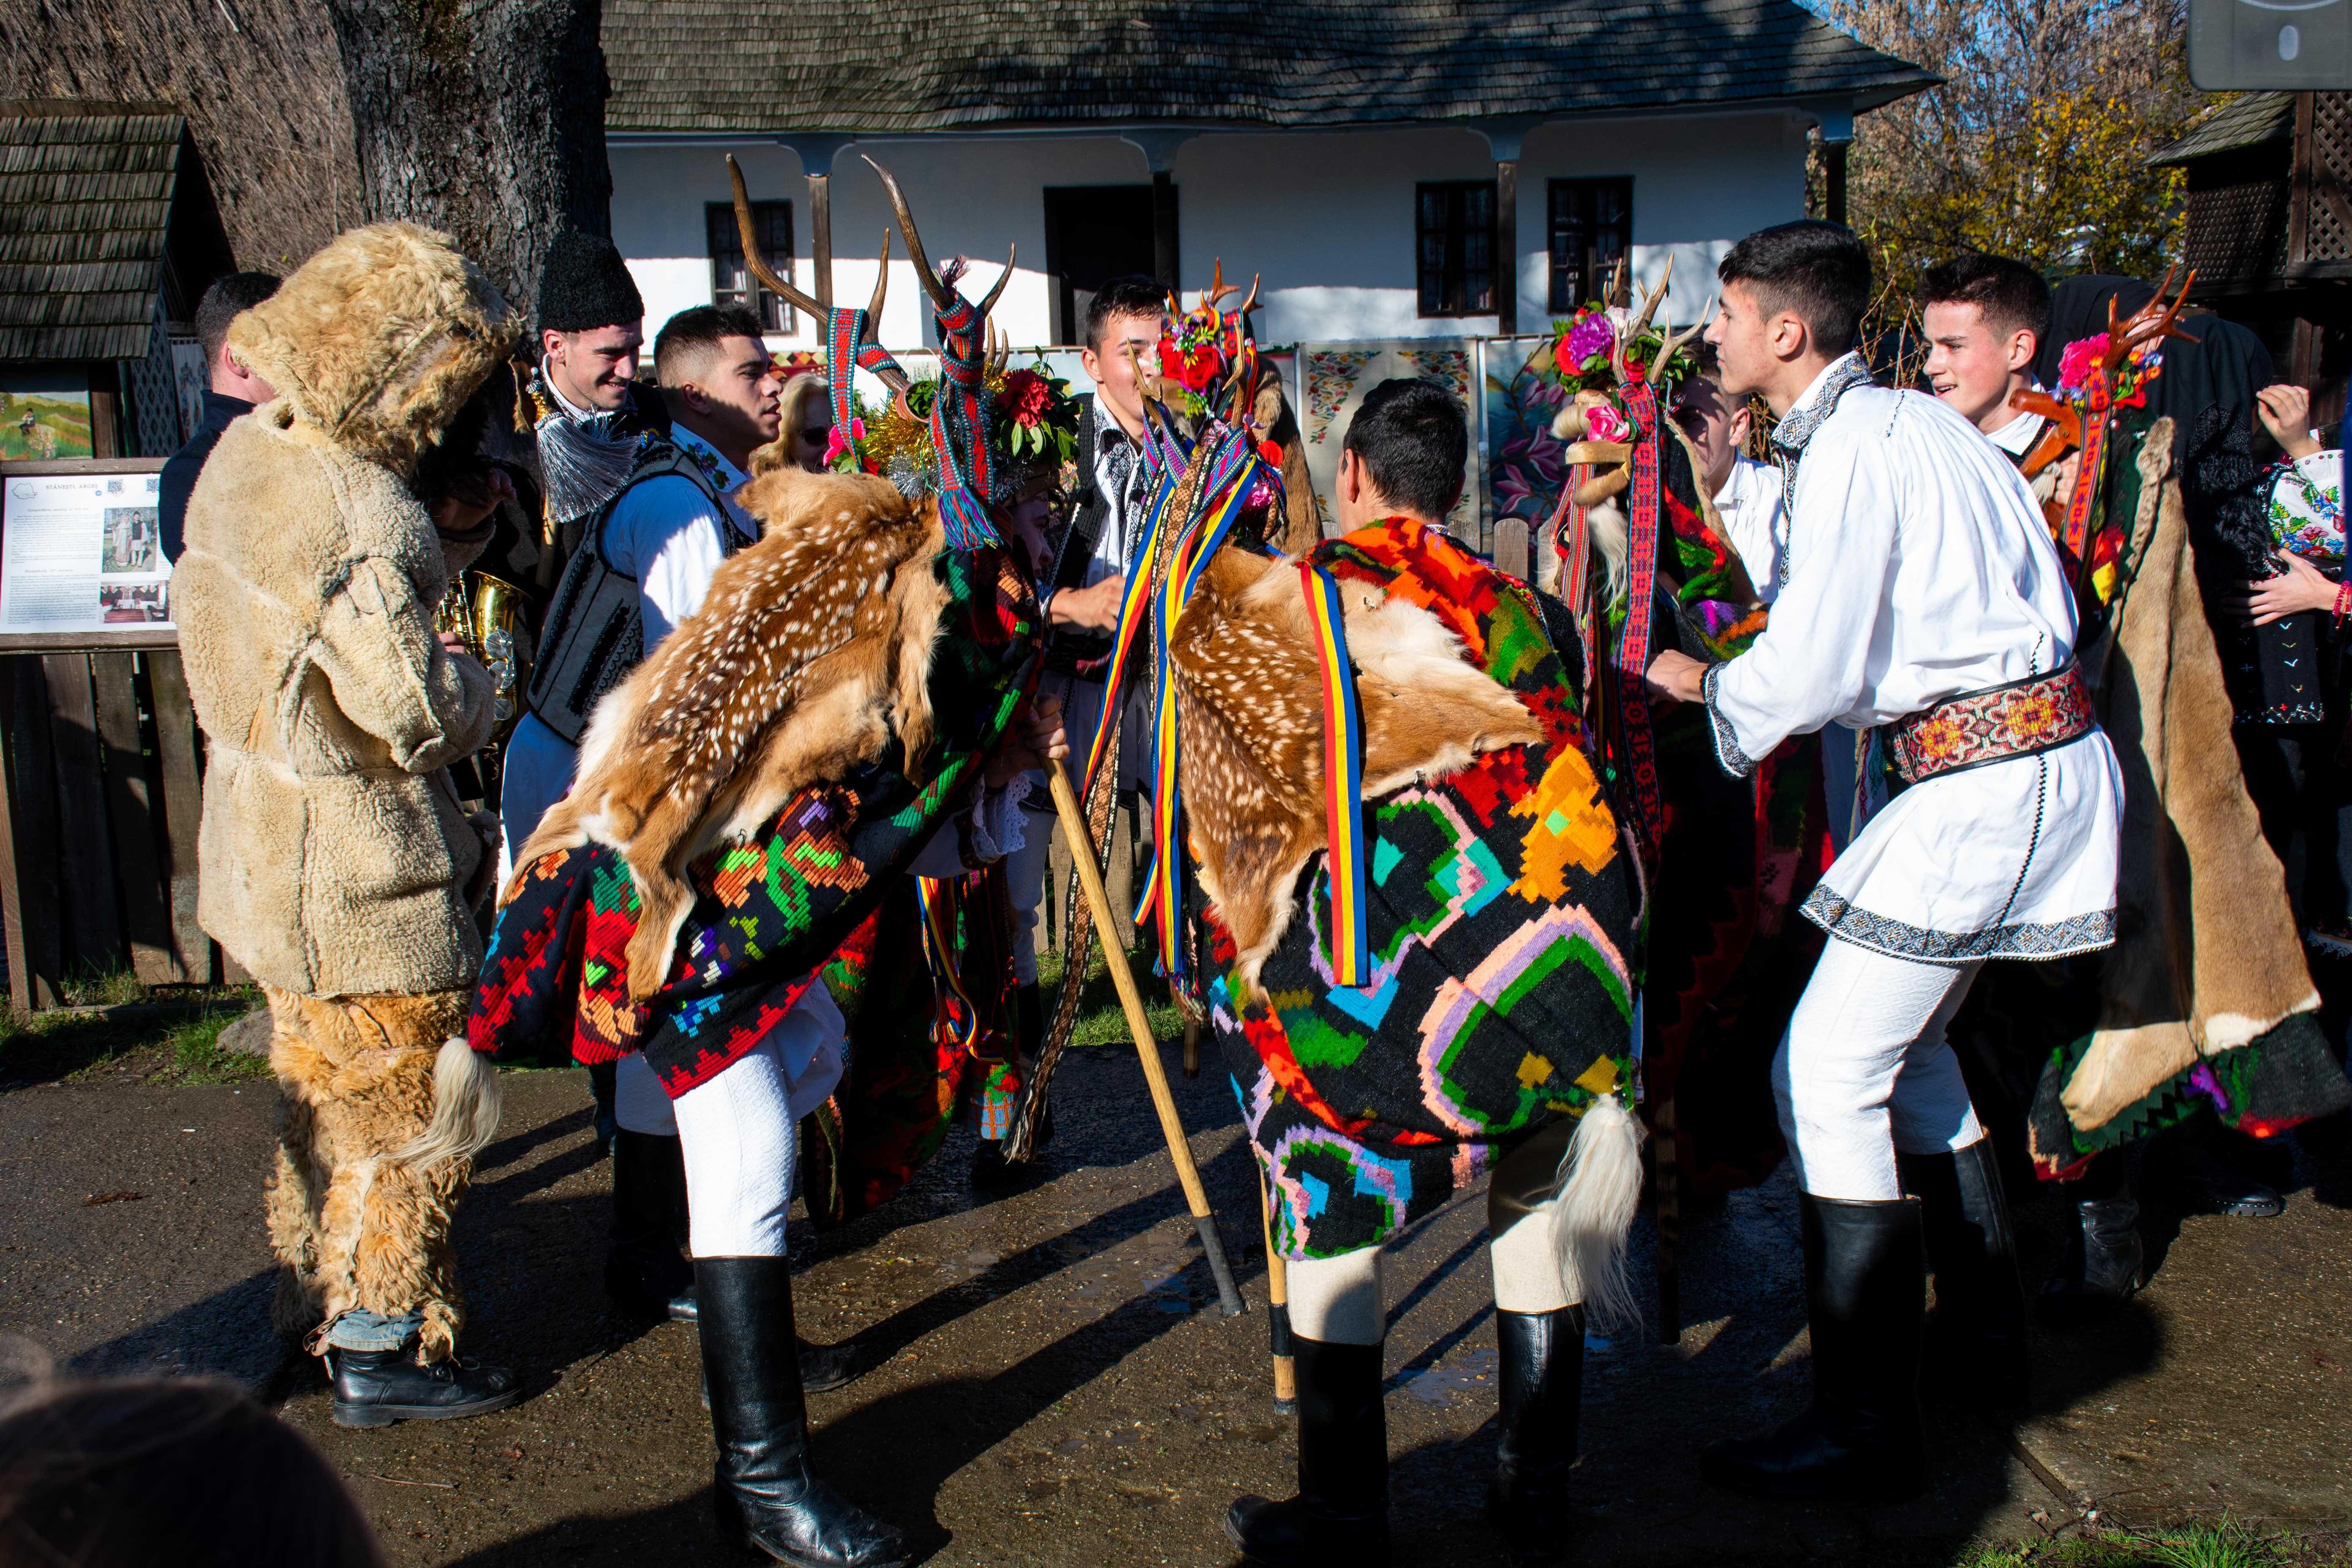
x=2305, y=795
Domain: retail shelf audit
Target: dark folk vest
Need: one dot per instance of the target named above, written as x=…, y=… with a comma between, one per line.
x=595, y=633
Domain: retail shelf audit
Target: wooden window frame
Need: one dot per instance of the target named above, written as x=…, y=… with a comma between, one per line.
x=1450, y=263
x=731, y=278
x=1570, y=220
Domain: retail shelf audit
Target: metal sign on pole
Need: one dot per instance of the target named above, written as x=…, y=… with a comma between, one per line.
x=2295, y=46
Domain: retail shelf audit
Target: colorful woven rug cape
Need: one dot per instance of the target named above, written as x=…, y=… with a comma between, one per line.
x=1498, y=915
x=770, y=911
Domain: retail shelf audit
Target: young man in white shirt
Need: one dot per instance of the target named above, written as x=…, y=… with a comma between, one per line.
x=1922, y=596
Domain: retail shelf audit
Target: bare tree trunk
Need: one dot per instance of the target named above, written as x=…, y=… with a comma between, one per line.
x=481, y=118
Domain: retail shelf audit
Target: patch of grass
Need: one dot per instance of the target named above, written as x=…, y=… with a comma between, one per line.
x=2224, y=1544
x=1101, y=1020
x=162, y=1038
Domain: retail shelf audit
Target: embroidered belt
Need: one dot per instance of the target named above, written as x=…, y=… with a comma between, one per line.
x=2040, y=713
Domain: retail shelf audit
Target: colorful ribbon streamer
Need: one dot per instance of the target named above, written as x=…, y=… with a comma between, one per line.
x=1343, y=779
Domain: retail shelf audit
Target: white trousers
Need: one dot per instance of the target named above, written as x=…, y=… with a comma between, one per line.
x=1344, y=1299
x=1865, y=1070
x=739, y=1130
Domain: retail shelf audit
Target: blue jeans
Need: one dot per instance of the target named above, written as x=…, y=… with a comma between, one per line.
x=363, y=1331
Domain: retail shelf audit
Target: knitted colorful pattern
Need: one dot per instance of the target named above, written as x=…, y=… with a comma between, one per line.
x=771, y=910
x=1500, y=913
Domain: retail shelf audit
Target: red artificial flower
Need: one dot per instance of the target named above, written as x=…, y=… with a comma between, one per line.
x=1192, y=369
x=1271, y=451
x=1026, y=396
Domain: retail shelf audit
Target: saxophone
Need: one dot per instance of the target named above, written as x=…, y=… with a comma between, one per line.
x=486, y=613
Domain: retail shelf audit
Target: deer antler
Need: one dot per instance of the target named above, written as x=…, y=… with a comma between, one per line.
x=1250, y=303
x=942, y=297
x=753, y=259
x=1675, y=340
x=1651, y=298
x=1616, y=282
x=1000, y=350
x=758, y=266
x=988, y=301
x=2152, y=322
x=1218, y=288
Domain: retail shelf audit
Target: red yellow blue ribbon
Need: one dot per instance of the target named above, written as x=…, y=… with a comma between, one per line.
x=1343, y=779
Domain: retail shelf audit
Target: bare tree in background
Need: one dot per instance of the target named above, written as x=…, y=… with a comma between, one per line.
x=2035, y=146
x=482, y=118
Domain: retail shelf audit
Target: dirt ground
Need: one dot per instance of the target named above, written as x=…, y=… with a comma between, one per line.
x=1051, y=1384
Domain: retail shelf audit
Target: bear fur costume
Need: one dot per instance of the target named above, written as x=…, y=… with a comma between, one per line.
x=336, y=864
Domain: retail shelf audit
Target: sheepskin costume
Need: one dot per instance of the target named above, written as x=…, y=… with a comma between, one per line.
x=337, y=866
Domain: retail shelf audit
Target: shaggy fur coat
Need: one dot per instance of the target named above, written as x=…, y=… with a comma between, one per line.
x=335, y=859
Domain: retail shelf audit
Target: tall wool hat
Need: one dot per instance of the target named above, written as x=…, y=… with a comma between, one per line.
x=585, y=285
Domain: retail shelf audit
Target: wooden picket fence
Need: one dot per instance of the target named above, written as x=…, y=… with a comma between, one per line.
x=98, y=822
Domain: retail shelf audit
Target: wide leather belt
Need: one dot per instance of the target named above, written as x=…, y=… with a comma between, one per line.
x=2040, y=713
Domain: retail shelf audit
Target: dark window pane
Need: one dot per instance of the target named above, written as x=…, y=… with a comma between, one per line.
x=1592, y=230
x=1455, y=247
x=730, y=276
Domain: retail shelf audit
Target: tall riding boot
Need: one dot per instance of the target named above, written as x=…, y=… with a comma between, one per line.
x=766, y=1498
x=2101, y=1269
x=645, y=1271
x=1865, y=1295
x=1535, y=1448
x=1977, y=1342
x=1341, y=1515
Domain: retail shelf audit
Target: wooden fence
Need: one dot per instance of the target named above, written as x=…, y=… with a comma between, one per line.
x=97, y=821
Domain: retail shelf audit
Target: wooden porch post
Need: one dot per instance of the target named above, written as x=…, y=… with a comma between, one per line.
x=1507, y=244
x=821, y=237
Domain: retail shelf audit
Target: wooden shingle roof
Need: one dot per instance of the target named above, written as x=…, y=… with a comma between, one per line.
x=85, y=205
x=2249, y=119
x=894, y=67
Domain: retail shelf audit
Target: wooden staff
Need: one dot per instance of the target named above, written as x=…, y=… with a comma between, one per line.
x=1277, y=1295
x=1065, y=808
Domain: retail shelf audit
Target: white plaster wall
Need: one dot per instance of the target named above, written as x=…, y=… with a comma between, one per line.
x=1327, y=219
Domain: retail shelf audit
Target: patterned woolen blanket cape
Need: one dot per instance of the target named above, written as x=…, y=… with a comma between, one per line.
x=767, y=911
x=1501, y=909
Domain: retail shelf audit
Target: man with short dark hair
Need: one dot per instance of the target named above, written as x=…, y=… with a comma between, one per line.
x=645, y=563
x=232, y=391
x=1920, y=595
x=1404, y=455
x=1080, y=597
x=1985, y=317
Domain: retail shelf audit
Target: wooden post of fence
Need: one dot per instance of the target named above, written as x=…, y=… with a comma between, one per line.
x=1511, y=549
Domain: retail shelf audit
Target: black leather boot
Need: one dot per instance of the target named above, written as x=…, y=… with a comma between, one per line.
x=1865, y=1289
x=2101, y=1268
x=1340, y=1516
x=1977, y=1345
x=1535, y=1445
x=645, y=1271
x=765, y=1497
x=376, y=1388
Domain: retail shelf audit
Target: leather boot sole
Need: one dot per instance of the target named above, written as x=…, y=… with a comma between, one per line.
x=734, y=1527
x=364, y=1415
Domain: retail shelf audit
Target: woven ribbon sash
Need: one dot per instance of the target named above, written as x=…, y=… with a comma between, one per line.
x=1343, y=779
x=1233, y=464
x=845, y=347
x=960, y=427
x=2087, y=486
x=1634, y=641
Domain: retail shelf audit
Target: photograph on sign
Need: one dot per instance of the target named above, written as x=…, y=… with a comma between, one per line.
x=189, y=378
x=42, y=419
x=81, y=552
x=2246, y=45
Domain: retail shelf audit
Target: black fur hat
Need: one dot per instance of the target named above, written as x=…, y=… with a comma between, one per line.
x=585, y=284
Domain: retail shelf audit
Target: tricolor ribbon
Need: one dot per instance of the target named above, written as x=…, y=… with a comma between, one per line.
x=1343, y=779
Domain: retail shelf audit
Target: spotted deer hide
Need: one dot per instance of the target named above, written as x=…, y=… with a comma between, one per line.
x=808, y=656
x=1250, y=727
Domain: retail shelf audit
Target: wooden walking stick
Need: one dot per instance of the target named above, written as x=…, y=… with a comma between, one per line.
x=1277, y=1295
x=1074, y=829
